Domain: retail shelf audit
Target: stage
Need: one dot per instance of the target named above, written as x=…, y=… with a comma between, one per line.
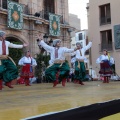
x=28, y=101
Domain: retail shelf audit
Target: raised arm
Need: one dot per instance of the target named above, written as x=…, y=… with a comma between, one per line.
x=88, y=46
x=45, y=46
x=41, y=42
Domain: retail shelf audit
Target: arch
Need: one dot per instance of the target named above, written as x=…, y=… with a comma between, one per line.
x=22, y=38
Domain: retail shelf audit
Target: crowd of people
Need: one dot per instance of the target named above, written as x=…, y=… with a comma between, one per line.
x=58, y=70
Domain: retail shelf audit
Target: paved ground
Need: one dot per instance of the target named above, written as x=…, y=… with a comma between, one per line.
x=22, y=101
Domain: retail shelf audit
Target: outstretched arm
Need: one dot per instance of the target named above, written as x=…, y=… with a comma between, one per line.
x=88, y=46
x=73, y=53
x=67, y=50
x=43, y=44
x=11, y=45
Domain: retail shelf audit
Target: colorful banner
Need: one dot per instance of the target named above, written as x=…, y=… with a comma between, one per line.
x=15, y=15
x=54, y=26
x=117, y=36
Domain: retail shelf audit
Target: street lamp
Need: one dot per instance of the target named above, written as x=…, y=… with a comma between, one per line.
x=45, y=38
x=51, y=42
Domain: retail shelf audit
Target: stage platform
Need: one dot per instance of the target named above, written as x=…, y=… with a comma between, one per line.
x=28, y=101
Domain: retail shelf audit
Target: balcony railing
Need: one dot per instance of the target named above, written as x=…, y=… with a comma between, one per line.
x=42, y=14
x=109, y=47
x=105, y=20
x=4, y=6
x=45, y=15
x=26, y=9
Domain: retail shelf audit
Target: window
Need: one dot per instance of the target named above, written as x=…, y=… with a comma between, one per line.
x=4, y=3
x=49, y=6
x=105, y=14
x=106, y=40
x=80, y=36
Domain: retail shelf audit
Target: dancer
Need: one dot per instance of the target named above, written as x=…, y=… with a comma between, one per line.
x=80, y=71
x=27, y=70
x=105, y=62
x=57, y=61
x=8, y=70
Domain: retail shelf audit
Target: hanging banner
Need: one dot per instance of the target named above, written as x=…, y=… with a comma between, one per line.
x=15, y=15
x=117, y=36
x=54, y=26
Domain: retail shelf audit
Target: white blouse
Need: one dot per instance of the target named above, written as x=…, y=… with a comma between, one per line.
x=25, y=60
x=9, y=45
x=104, y=57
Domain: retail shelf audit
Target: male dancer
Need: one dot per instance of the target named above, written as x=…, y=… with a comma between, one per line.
x=80, y=71
x=8, y=70
x=57, y=61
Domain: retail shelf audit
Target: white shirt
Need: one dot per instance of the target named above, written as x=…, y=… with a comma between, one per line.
x=25, y=59
x=105, y=57
x=9, y=45
x=51, y=50
x=82, y=55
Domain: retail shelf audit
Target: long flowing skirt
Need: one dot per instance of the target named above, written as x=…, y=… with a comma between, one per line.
x=27, y=71
x=8, y=71
x=105, y=69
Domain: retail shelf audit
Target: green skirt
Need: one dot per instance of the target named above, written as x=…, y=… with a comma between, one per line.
x=80, y=71
x=51, y=72
x=8, y=71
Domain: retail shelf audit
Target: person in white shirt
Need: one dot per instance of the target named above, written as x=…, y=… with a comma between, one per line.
x=80, y=71
x=57, y=61
x=8, y=70
x=27, y=63
x=105, y=62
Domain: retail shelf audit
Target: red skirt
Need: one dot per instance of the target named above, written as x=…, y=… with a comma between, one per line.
x=105, y=69
x=27, y=71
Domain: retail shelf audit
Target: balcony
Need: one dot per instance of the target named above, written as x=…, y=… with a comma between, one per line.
x=105, y=20
x=3, y=5
x=41, y=14
x=109, y=47
x=45, y=15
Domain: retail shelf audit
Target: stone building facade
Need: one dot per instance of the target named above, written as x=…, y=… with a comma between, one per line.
x=35, y=20
x=104, y=30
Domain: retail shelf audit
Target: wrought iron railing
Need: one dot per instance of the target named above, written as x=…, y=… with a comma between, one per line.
x=42, y=14
x=3, y=4
x=26, y=9
x=45, y=15
x=109, y=47
x=105, y=20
